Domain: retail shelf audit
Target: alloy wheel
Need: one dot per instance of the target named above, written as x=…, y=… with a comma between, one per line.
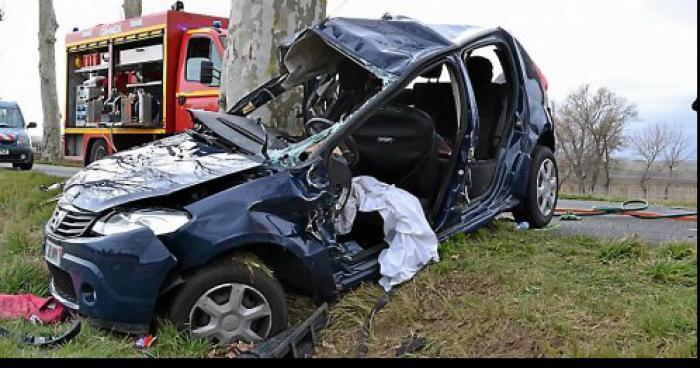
x=231, y=312
x=547, y=186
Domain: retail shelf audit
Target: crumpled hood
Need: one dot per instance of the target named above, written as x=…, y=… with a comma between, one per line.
x=156, y=169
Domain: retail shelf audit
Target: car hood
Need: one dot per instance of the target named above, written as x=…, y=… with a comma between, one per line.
x=156, y=169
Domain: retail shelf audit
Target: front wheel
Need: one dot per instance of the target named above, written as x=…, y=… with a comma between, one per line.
x=542, y=190
x=229, y=302
x=24, y=167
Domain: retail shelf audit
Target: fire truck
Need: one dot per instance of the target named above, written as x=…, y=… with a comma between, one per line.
x=132, y=82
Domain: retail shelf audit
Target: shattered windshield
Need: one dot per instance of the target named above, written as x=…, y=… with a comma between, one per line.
x=326, y=101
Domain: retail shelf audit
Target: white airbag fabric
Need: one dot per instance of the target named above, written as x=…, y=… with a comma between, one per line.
x=412, y=242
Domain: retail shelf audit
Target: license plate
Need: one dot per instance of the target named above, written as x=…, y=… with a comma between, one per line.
x=4, y=152
x=53, y=253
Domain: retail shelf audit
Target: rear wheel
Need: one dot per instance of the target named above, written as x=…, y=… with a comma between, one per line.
x=542, y=190
x=98, y=151
x=229, y=302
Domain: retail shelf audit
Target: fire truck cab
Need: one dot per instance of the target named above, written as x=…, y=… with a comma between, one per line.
x=131, y=82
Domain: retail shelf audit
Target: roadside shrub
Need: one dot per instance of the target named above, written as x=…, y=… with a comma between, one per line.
x=619, y=250
x=678, y=251
x=674, y=271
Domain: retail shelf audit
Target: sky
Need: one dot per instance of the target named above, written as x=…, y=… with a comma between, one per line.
x=643, y=50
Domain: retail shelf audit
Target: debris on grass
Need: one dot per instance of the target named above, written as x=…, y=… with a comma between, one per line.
x=232, y=351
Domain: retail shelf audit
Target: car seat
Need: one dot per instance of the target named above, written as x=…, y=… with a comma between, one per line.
x=489, y=101
x=397, y=145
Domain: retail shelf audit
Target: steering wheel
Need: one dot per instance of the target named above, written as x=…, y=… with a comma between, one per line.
x=348, y=147
x=317, y=125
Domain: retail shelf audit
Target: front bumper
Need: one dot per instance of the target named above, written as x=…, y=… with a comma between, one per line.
x=17, y=154
x=113, y=280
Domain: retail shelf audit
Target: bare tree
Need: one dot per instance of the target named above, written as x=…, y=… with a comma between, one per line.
x=611, y=115
x=132, y=8
x=256, y=30
x=575, y=143
x=47, y=74
x=591, y=132
x=649, y=144
x=677, y=151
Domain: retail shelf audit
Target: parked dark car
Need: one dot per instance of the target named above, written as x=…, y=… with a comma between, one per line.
x=15, y=144
x=213, y=226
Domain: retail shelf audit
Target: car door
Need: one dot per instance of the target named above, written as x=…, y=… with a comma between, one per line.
x=191, y=93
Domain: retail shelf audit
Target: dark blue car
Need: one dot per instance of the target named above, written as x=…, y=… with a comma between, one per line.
x=15, y=144
x=212, y=227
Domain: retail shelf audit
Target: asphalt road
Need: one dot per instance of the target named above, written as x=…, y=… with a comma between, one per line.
x=60, y=171
x=617, y=226
x=609, y=226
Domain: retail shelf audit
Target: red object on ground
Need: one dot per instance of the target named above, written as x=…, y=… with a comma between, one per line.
x=30, y=308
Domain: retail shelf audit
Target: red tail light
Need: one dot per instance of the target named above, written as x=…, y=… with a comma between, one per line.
x=542, y=78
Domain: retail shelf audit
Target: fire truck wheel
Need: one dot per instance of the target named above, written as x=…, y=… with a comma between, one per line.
x=98, y=151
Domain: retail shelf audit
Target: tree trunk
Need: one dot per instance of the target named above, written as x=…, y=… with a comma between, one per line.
x=47, y=74
x=606, y=169
x=667, y=190
x=256, y=30
x=132, y=8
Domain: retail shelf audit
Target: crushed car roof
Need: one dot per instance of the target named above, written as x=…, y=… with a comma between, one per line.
x=390, y=45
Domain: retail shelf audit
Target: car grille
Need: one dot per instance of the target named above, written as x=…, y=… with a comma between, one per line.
x=62, y=284
x=70, y=222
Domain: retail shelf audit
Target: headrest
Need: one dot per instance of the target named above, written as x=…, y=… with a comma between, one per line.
x=480, y=70
x=433, y=73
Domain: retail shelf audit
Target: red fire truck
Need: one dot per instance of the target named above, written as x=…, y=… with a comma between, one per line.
x=131, y=82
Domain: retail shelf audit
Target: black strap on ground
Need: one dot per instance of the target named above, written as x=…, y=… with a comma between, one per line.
x=383, y=300
x=45, y=341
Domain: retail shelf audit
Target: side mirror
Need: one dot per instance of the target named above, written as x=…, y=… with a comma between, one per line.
x=31, y=125
x=207, y=72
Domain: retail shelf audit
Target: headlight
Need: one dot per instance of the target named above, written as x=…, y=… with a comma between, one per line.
x=160, y=221
x=24, y=140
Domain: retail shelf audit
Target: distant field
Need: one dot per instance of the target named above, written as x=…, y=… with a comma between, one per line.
x=625, y=184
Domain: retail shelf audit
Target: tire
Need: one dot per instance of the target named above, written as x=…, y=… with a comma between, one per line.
x=98, y=151
x=24, y=167
x=217, y=283
x=530, y=210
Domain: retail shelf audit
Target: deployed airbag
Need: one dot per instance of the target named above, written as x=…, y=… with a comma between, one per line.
x=412, y=242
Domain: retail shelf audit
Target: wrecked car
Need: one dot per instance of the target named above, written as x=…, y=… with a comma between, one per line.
x=213, y=227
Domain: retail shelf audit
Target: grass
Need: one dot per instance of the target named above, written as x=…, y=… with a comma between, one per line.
x=496, y=292
x=604, y=198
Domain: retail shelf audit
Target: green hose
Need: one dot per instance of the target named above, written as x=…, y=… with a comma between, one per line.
x=636, y=206
x=629, y=206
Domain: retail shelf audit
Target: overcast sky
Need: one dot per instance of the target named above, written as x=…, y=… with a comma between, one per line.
x=644, y=50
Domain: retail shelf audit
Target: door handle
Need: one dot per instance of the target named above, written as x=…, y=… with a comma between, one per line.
x=182, y=100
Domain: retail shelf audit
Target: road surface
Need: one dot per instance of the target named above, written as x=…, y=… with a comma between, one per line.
x=60, y=171
x=617, y=226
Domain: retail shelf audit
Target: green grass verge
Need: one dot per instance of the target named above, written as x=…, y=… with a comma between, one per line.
x=496, y=292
